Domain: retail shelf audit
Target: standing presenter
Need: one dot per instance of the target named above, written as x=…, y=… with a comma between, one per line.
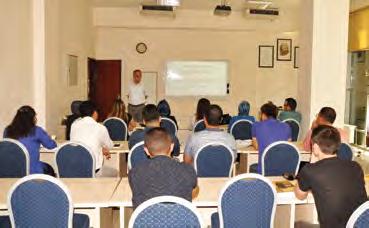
x=136, y=96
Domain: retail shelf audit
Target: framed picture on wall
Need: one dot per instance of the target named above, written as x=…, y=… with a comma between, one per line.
x=266, y=56
x=284, y=49
x=296, y=57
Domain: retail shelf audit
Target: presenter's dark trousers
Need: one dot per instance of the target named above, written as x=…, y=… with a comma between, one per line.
x=136, y=112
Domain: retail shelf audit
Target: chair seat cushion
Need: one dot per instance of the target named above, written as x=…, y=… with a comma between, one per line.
x=81, y=221
x=5, y=222
x=215, y=220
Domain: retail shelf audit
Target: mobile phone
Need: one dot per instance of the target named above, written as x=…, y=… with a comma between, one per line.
x=116, y=145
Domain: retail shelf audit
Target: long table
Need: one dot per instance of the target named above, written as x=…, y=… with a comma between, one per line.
x=248, y=155
x=89, y=194
x=97, y=193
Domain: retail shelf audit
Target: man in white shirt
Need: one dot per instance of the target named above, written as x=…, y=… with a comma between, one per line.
x=91, y=133
x=136, y=97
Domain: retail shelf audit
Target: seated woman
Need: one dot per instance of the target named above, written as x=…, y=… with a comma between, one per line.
x=164, y=111
x=243, y=114
x=24, y=129
x=202, y=105
x=119, y=110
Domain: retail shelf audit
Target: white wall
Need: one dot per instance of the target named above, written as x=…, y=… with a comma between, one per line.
x=201, y=36
x=69, y=30
x=16, y=87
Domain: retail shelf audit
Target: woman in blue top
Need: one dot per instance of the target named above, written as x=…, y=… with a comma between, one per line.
x=243, y=114
x=23, y=128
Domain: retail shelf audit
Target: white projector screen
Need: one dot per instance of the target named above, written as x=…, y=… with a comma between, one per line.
x=196, y=78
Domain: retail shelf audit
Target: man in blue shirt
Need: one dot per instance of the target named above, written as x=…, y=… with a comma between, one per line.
x=268, y=131
x=289, y=111
x=151, y=118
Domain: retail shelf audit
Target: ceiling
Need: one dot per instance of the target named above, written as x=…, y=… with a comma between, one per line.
x=195, y=4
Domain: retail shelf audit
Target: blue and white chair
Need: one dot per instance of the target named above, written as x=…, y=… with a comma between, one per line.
x=279, y=158
x=295, y=128
x=247, y=200
x=360, y=217
x=75, y=160
x=117, y=128
x=199, y=126
x=42, y=201
x=169, y=125
x=214, y=160
x=166, y=211
x=136, y=155
x=14, y=159
x=241, y=129
x=345, y=152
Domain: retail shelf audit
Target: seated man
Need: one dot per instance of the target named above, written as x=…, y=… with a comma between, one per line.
x=289, y=111
x=326, y=116
x=337, y=185
x=151, y=119
x=212, y=133
x=91, y=133
x=161, y=175
x=268, y=131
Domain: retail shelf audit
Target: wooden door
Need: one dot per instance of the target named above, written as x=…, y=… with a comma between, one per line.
x=104, y=84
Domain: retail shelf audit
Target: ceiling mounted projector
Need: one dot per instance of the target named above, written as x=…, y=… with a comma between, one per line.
x=222, y=10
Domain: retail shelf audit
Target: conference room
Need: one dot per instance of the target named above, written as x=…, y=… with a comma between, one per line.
x=91, y=89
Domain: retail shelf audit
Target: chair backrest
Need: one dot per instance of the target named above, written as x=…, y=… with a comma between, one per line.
x=166, y=211
x=241, y=129
x=14, y=159
x=214, y=160
x=75, y=160
x=199, y=126
x=345, y=152
x=117, y=128
x=169, y=125
x=247, y=199
x=360, y=217
x=295, y=128
x=136, y=155
x=280, y=157
x=40, y=200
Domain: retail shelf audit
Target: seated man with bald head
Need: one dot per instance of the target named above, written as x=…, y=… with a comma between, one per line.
x=161, y=175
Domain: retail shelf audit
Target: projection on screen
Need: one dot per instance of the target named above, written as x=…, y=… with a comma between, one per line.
x=196, y=78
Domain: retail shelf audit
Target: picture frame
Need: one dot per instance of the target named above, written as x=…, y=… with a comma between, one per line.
x=266, y=56
x=284, y=52
x=296, y=57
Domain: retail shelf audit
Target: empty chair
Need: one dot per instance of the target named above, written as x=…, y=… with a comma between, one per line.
x=241, y=129
x=169, y=125
x=295, y=128
x=199, y=126
x=75, y=160
x=360, y=217
x=136, y=155
x=117, y=128
x=247, y=200
x=279, y=158
x=345, y=152
x=42, y=201
x=14, y=159
x=166, y=211
x=214, y=160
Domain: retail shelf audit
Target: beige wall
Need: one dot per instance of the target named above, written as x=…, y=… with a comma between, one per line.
x=358, y=4
x=16, y=87
x=206, y=38
x=69, y=30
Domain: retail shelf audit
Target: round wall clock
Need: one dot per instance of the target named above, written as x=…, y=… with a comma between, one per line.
x=141, y=48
